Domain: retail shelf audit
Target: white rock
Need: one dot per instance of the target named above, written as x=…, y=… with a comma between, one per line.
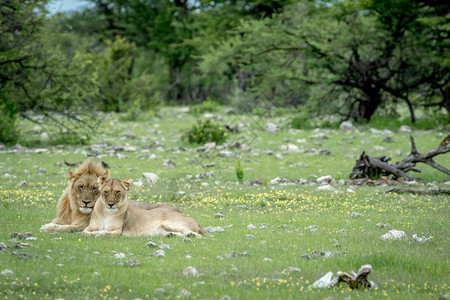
x=324, y=281
x=394, y=234
x=275, y=180
x=159, y=253
x=6, y=272
x=251, y=226
x=271, y=127
x=290, y=148
x=326, y=187
x=211, y=229
x=267, y=259
x=151, y=178
x=404, y=129
x=119, y=255
x=326, y=179
x=191, y=271
x=356, y=215
x=138, y=183
x=185, y=293
x=422, y=239
x=347, y=126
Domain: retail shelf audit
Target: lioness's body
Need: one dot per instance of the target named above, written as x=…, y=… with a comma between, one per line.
x=112, y=215
x=74, y=208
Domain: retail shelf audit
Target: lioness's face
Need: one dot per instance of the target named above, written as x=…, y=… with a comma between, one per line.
x=86, y=192
x=114, y=192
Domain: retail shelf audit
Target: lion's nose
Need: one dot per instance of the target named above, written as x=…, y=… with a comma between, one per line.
x=111, y=204
x=86, y=202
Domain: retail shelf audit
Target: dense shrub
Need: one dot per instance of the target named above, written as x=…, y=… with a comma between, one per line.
x=205, y=132
x=8, y=133
x=301, y=122
x=207, y=106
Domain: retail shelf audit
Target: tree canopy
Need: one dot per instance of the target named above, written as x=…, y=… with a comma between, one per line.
x=346, y=58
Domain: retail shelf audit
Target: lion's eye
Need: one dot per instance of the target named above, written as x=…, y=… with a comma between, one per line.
x=117, y=193
x=94, y=189
x=80, y=187
x=106, y=193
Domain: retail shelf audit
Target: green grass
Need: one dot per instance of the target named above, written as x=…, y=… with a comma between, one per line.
x=402, y=269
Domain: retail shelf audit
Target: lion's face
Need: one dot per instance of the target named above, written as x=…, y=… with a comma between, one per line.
x=85, y=192
x=114, y=192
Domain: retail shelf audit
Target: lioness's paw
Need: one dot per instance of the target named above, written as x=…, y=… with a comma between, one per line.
x=191, y=234
x=172, y=234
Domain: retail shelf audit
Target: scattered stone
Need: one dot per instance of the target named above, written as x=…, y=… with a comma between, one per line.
x=191, y=271
x=324, y=152
x=284, y=226
x=150, y=245
x=347, y=126
x=187, y=240
x=60, y=265
x=169, y=163
x=422, y=239
x=211, y=229
x=6, y=272
x=279, y=156
x=159, y=253
x=313, y=228
x=185, y=293
x=31, y=238
x=150, y=177
x=267, y=259
x=233, y=254
x=164, y=246
x=225, y=297
x=290, y=148
x=218, y=257
x=3, y=246
x=22, y=254
x=290, y=270
x=210, y=165
x=131, y=263
x=324, y=179
x=256, y=182
x=21, y=235
x=22, y=183
x=219, y=215
x=159, y=291
x=42, y=170
x=326, y=187
x=227, y=154
x=404, y=129
x=119, y=255
x=21, y=245
x=387, y=139
x=383, y=225
x=250, y=236
x=272, y=128
x=356, y=215
x=394, y=234
x=319, y=136
x=251, y=226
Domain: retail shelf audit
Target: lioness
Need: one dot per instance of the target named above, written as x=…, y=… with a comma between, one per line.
x=113, y=215
x=75, y=205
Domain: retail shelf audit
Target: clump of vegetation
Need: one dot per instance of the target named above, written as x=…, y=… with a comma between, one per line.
x=205, y=132
x=301, y=122
x=239, y=172
x=8, y=132
x=206, y=106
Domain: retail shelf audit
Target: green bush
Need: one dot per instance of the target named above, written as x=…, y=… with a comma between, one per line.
x=301, y=122
x=8, y=133
x=205, y=132
x=207, y=106
x=239, y=172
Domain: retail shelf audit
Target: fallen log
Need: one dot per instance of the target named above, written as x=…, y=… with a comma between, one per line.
x=370, y=167
x=432, y=192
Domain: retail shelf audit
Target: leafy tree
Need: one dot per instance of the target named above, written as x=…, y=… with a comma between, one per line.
x=355, y=56
x=36, y=81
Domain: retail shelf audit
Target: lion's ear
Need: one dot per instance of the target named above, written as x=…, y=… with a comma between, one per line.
x=127, y=183
x=70, y=175
x=103, y=177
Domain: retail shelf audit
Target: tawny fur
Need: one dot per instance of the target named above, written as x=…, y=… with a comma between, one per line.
x=112, y=215
x=68, y=214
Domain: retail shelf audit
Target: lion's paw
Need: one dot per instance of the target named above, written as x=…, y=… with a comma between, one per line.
x=48, y=227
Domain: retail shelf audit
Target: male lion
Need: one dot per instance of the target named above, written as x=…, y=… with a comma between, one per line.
x=75, y=205
x=113, y=216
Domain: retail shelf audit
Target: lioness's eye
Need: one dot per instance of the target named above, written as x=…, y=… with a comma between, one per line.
x=117, y=193
x=106, y=193
x=94, y=189
x=80, y=187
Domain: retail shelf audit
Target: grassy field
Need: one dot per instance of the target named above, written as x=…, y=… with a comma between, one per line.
x=299, y=233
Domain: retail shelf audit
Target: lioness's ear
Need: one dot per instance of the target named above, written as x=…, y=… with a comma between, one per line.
x=127, y=183
x=103, y=177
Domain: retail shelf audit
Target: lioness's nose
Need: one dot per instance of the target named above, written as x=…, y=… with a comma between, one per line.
x=86, y=202
x=111, y=204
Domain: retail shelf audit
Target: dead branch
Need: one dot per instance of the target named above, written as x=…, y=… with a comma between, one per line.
x=374, y=167
x=431, y=192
